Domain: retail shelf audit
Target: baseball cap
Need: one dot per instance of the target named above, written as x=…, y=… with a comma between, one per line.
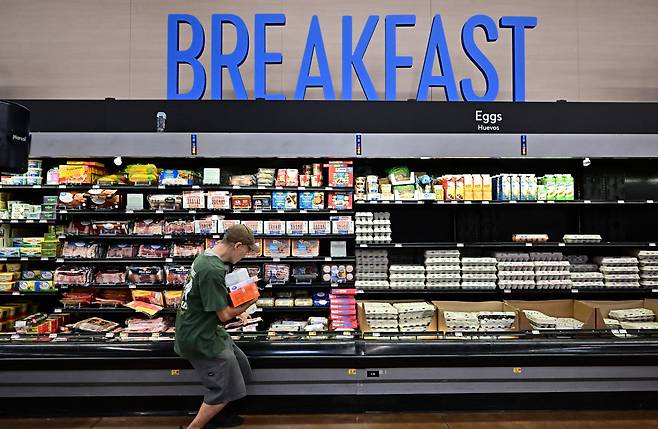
x=241, y=234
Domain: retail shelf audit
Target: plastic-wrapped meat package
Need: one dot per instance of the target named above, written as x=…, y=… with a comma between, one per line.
x=179, y=227
x=176, y=274
x=253, y=270
x=104, y=199
x=121, y=250
x=205, y=226
x=111, y=228
x=305, y=248
x=173, y=298
x=276, y=273
x=152, y=297
x=165, y=202
x=112, y=297
x=153, y=251
x=81, y=249
x=187, y=250
x=146, y=325
x=70, y=299
x=78, y=228
x=95, y=324
x=72, y=200
x=148, y=227
x=242, y=180
x=72, y=275
x=145, y=275
x=110, y=276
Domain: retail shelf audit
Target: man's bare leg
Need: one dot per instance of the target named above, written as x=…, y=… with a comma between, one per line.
x=205, y=414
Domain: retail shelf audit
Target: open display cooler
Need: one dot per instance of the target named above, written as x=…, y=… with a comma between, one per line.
x=473, y=262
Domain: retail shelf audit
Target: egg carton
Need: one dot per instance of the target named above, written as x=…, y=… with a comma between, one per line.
x=372, y=284
x=587, y=284
x=382, y=224
x=627, y=269
x=582, y=238
x=443, y=286
x=512, y=257
x=443, y=261
x=371, y=253
x=386, y=331
x=612, y=323
x=516, y=266
x=442, y=269
x=516, y=284
x=479, y=269
x=422, y=319
x=615, y=261
x=552, y=265
x=380, y=308
x=407, y=269
x=639, y=325
x=442, y=254
x=479, y=277
x=414, y=307
x=577, y=259
x=584, y=268
x=415, y=328
x=479, y=285
x=622, y=277
x=649, y=283
x=552, y=275
x=407, y=285
x=648, y=276
x=646, y=254
x=406, y=277
x=633, y=315
x=624, y=284
x=566, y=323
x=376, y=325
x=479, y=261
x=554, y=284
x=382, y=230
x=461, y=320
x=546, y=256
x=516, y=275
x=649, y=269
x=587, y=276
x=381, y=215
x=367, y=215
x=448, y=277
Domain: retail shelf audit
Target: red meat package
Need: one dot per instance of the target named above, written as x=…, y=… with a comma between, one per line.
x=148, y=227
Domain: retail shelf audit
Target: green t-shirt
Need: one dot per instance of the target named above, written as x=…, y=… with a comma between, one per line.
x=198, y=331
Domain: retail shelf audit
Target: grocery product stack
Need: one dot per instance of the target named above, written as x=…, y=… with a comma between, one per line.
x=479, y=273
x=407, y=277
x=632, y=318
x=442, y=269
x=372, y=188
x=33, y=175
x=584, y=274
x=312, y=324
x=338, y=274
x=528, y=187
x=648, y=267
x=373, y=228
x=539, y=320
x=414, y=316
x=343, y=309
x=515, y=271
x=479, y=320
x=371, y=269
x=619, y=272
x=552, y=270
x=381, y=316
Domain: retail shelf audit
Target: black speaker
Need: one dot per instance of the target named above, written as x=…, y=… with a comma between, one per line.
x=15, y=137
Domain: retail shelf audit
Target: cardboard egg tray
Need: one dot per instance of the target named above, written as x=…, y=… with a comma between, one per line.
x=577, y=259
x=516, y=266
x=615, y=261
x=552, y=275
x=442, y=269
x=407, y=285
x=479, y=277
x=546, y=256
x=479, y=285
x=407, y=269
x=443, y=277
x=592, y=284
x=516, y=284
x=443, y=286
x=633, y=315
x=512, y=257
x=554, y=284
x=552, y=265
x=372, y=284
x=443, y=261
x=479, y=261
x=626, y=269
x=405, y=308
x=639, y=325
x=582, y=238
x=584, y=268
x=587, y=276
x=442, y=254
x=479, y=269
x=624, y=284
x=407, y=277
x=649, y=283
x=516, y=275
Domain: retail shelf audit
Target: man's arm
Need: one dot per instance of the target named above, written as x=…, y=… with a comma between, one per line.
x=227, y=314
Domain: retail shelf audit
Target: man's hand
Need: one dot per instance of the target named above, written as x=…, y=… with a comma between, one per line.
x=229, y=313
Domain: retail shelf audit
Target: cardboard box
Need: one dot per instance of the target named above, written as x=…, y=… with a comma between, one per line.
x=443, y=306
x=602, y=308
x=469, y=190
x=363, y=322
x=555, y=308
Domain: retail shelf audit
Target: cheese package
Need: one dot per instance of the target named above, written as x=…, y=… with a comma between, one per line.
x=340, y=200
x=274, y=227
x=291, y=200
x=242, y=288
x=319, y=227
x=262, y=202
x=297, y=227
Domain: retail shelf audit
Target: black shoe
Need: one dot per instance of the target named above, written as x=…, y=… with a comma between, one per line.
x=225, y=420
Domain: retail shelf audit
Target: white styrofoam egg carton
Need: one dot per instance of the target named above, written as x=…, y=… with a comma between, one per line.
x=376, y=326
x=442, y=254
x=582, y=268
x=406, y=277
x=552, y=275
x=546, y=256
x=385, y=309
x=448, y=277
x=371, y=284
x=540, y=320
x=443, y=286
x=582, y=238
x=552, y=265
x=627, y=269
x=649, y=269
x=568, y=323
x=407, y=269
x=492, y=277
x=554, y=284
x=587, y=284
x=442, y=261
x=646, y=254
x=516, y=275
x=512, y=256
x=479, y=261
x=371, y=253
x=516, y=266
x=639, y=325
x=577, y=259
x=622, y=277
x=516, y=284
x=621, y=284
x=381, y=215
x=633, y=315
x=414, y=307
x=367, y=215
x=649, y=282
x=616, y=260
x=479, y=285
x=408, y=285
x=482, y=269
x=442, y=269
x=372, y=276
x=415, y=326
x=584, y=276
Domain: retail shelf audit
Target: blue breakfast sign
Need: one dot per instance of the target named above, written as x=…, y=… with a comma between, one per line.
x=437, y=52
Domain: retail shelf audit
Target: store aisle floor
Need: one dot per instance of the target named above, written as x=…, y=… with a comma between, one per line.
x=461, y=420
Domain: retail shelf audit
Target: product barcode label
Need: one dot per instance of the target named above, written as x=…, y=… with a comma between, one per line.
x=109, y=335
x=507, y=291
x=652, y=244
x=398, y=245
x=58, y=310
x=52, y=336
x=375, y=334
x=159, y=211
x=512, y=201
x=363, y=245
x=468, y=202
x=535, y=332
x=196, y=187
x=459, y=334
x=561, y=244
x=621, y=202
x=460, y=244
x=15, y=293
x=485, y=202
x=161, y=187
x=528, y=245
x=169, y=260
x=649, y=201
x=132, y=287
x=574, y=290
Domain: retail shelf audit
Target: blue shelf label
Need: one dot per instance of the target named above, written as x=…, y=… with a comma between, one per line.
x=193, y=144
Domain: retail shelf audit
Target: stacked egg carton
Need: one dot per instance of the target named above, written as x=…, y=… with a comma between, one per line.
x=515, y=271
x=407, y=277
x=619, y=271
x=373, y=228
x=633, y=318
x=414, y=316
x=552, y=270
x=648, y=267
x=479, y=321
x=539, y=320
x=381, y=316
x=584, y=274
x=371, y=269
x=442, y=269
x=479, y=273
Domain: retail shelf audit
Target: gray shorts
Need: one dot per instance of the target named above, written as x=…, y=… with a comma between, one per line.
x=225, y=375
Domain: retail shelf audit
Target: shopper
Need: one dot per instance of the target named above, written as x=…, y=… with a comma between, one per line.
x=200, y=336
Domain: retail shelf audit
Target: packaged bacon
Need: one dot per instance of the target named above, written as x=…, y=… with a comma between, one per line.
x=173, y=298
x=153, y=251
x=149, y=296
x=177, y=274
x=148, y=227
x=104, y=199
x=179, y=227
x=165, y=202
x=121, y=250
x=145, y=275
x=110, y=276
x=111, y=228
x=65, y=275
x=187, y=250
x=78, y=228
x=81, y=249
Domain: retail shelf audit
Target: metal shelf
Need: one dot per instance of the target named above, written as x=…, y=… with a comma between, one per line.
x=106, y=310
x=119, y=261
x=137, y=188
x=549, y=245
x=502, y=294
x=30, y=294
x=314, y=285
x=192, y=237
x=191, y=212
x=159, y=286
x=27, y=221
x=505, y=203
x=293, y=310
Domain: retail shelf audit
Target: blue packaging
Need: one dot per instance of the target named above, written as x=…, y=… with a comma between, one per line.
x=278, y=200
x=306, y=200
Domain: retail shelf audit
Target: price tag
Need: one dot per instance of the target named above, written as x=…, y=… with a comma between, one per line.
x=192, y=211
x=535, y=332
x=512, y=201
x=132, y=287
x=268, y=286
x=327, y=259
x=652, y=244
x=302, y=188
x=458, y=334
x=622, y=331
x=377, y=202
x=258, y=211
x=62, y=186
x=44, y=258
x=528, y=245
x=216, y=236
x=574, y=290
x=24, y=258
x=485, y=202
x=649, y=201
x=159, y=211
x=161, y=187
x=587, y=202
x=312, y=333
x=63, y=211
x=168, y=236
x=196, y=187
x=13, y=221
x=3, y=259
x=109, y=335
x=541, y=202
x=398, y=244
x=654, y=290
x=16, y=293
x=363, y=245
x=280, y=211
x=29, y=221
x=58, y=310
x=236, y=186
x=278, y=187
x=507, y=291
x=375, y=334
x=52, y=336
x=621, y=202
x=460, y=244
x=15, y=337
x=440, y=202
x=453, y=202
x=60, y=260
x=303, y=211
x=36, y=186
x=347, y=333
x=43, y=221
x=420, y=202
x=468, y=202
x=551, y=202
x=130, y=211
x=169, y=260
x=561, y=244
x=329, y=188
x=276, y=259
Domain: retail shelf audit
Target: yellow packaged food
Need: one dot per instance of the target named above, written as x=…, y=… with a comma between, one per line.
x=142, y=169
x=9, y=277
x=7, y=286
